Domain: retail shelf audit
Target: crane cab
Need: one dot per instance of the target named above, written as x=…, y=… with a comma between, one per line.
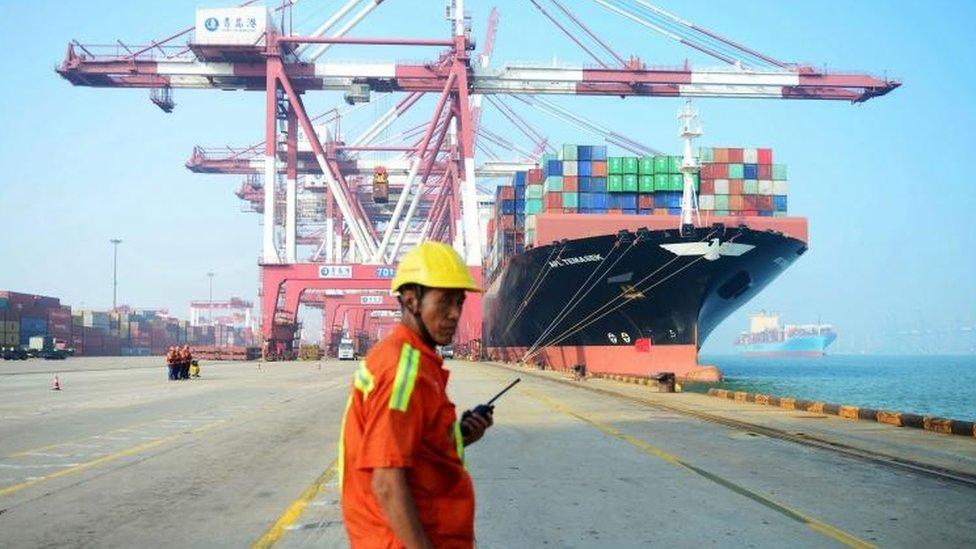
x=381, y=185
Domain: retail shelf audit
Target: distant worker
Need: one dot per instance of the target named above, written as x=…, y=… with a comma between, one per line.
x=185, y=358
x=172, y=363
x=401, y=452
x=194, y=369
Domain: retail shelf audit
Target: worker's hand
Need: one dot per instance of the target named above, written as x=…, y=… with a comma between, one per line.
x=475, y=426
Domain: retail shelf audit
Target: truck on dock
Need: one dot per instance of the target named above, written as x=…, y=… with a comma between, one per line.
x=346, y=350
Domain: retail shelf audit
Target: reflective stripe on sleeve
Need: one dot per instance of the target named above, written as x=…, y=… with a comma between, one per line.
x=406, y=377
x=341, y=458
x=459, y=441
x=363, y=380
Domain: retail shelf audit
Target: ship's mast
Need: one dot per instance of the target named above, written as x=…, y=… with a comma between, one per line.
x=688, y=129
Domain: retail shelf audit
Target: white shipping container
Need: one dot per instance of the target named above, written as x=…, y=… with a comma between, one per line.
x=765, y=187
x=570, y=168
x=750, y=156
x=243, y=26
x=721, y=186
x=706, y=202
x=530, y=222
x=781, y=188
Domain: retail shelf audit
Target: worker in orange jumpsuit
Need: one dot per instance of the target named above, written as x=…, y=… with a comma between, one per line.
x=401, y=451
x=172, y=363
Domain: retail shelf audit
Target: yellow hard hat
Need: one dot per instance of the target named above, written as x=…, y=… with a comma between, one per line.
x=435, y=265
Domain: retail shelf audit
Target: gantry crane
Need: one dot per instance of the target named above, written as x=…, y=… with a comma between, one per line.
x=286, y=66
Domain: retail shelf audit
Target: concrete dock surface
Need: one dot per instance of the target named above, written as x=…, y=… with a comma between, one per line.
x=244, y=456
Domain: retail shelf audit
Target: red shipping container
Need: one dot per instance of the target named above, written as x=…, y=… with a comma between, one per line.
x=615, y=211
x=570, y=183
x=660, y=211
x=706, y=171
x=765, y=156
x=720, y=155
x=764, y=203
x=753, y=213
x=570, y=210
x=533, y=177
x=736, y=202
x=598, y=168
x=707, y=186
x=554, y=200
x=506, y=192
x=765, y=171
x=645, y=201
x=735, y=187
x=750, y=202
x=508, y=222
x=720, y=171
x=735, y=156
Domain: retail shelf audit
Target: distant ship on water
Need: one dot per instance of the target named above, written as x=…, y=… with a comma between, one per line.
x=768, y=337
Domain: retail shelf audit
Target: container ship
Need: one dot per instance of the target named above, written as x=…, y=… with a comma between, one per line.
x=606, y=261
x=767, y=337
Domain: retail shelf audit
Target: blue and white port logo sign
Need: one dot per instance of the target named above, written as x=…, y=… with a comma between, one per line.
x=335, y=271
x=211, y=24
x=385, y=272
x=370, y=300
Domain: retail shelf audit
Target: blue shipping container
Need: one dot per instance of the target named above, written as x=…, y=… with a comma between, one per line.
x=765, y=213
x=599, y=152
x=627, y=201
x=599, y=184
x=599, y=210
x=584, y=168
x=750, y=171
x=674, y=211
x=631, y=211
x=600, y=201
x=508, y=207
x=584, y=152
x=519, y=178
x=779, y=203
x=585, y=184
x=553, y=167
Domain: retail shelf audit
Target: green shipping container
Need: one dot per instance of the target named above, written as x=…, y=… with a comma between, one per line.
x=533, y=206
x=780, y=214
x=630, y=183
x=660, y=164
x=674, y=164
x=661, y=182
x=631, y=165
x=705, y=154
x=553, y=183
x=779, y=172
x=721, y=202
x=721, y=212
x=570, y=200
x=750, y=186
x=569, y=152
x=676, y=182
x=546, y=158
x=615, y=165
x=646, y=184
x=533, y=191
x=615, y=183
x=646, y=166
x=736, y=171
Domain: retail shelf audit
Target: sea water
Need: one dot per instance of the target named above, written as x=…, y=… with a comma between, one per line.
x=942, y=386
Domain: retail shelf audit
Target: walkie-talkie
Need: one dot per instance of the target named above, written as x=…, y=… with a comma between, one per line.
x=484, y=410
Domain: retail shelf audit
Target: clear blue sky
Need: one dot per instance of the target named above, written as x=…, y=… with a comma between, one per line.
x=885, y=185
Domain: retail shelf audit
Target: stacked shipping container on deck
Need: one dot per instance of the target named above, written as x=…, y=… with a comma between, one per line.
x=737, y=181
x=582, y=179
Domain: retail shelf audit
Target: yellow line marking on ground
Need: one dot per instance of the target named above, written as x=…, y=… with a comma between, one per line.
x=816, y=525
x=295, y=510
x=7, y=490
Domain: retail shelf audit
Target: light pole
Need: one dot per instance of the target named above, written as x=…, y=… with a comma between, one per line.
x=213, y=325
x=115, y=271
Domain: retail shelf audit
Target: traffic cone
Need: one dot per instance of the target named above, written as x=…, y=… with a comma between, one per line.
x=56, y=386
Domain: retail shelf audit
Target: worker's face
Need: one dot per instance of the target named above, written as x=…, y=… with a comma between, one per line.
x=440, y=310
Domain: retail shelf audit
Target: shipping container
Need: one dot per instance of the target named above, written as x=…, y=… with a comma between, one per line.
x=570, y=167
x=570, y=152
